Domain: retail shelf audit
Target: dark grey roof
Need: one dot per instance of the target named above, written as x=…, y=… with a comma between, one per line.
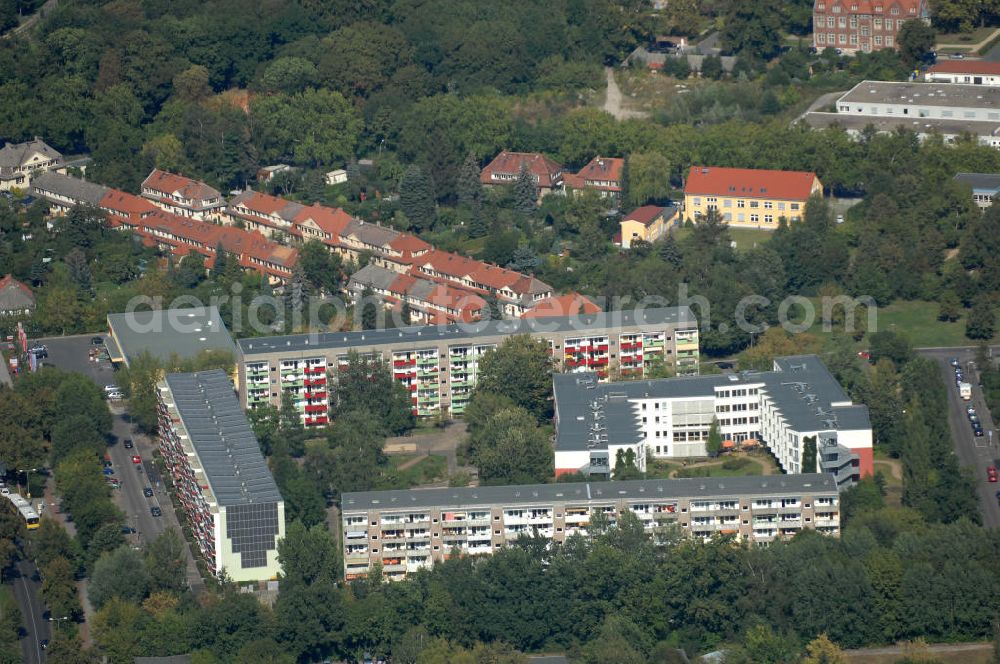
x=526, y=494
x=14, y=297
x=221, y=435
x=13, y=155
x=923, y=94
x=166, y=332
x=374, y=276
x=414, y=334
x=989, y=182
x=806, y=393
x=944, y=126
x=80, y=191
x=372, y=234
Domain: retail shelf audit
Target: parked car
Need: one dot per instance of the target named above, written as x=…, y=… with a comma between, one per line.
x=116, y=396
x=147, y=491
x=39, y=351
x=128, y=444
x=954, y=362
x=977, y=430
x=4, y=491
x=991, y=474
x=97, y=341
x=109, y=471
x=136, y=458
x=974, y=418
x=128, y=530
x=112, y=388
x=155, y=511
x=958, y=56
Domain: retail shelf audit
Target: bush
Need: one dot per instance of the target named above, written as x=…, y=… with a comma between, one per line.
x=735, y=463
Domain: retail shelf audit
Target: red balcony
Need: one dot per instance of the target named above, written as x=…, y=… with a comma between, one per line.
x=315, y=395
x=603, y=348
x=316, y=408
x=570, y=363
x=399, y=363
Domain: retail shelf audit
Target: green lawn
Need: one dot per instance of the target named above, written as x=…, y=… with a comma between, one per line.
x=715, y=468
x=917, y=319
x=431, y=468
x=747, y=238
x=974, y=37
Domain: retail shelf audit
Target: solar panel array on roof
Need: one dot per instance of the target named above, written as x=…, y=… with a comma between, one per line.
x=221, y=435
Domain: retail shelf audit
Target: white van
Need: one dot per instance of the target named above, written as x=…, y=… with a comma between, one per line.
x=965, y=391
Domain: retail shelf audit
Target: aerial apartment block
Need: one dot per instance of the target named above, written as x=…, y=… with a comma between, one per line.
x=407, y=531
x=232, y=504
x=439, y=364
x=748, y=198
x=671, y=417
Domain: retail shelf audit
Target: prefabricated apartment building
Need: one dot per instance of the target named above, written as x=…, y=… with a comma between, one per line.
x=406, y=531
x=438, y=364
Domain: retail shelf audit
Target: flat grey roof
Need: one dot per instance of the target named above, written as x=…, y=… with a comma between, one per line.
x=801, y=388
x=949, y=127
x=989, y=182
x=529, y=494
x=431, y=334
x=221, y=435
x=923, y=94
x=166, y=332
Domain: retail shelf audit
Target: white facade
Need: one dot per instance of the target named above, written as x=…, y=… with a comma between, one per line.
x=990, y=80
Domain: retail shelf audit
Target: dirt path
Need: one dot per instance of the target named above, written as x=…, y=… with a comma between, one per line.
x=912, y=649
x=895, y=467
x=613, y=100
x=438, y=441
x=412, y=462
x=31, y=20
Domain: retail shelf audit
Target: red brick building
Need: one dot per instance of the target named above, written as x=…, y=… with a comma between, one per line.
x=863, y=25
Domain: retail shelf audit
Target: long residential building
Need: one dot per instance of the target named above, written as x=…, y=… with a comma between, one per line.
x=407, y=531
x=949, y=110
x=439, y=364
x=232, y=504
x=671, y=418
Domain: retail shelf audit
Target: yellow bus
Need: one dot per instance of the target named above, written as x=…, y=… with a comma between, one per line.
x=28, y=513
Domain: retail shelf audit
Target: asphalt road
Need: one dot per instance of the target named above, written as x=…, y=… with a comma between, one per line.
x=975, y=453
x=36, y=627
x=71, y=354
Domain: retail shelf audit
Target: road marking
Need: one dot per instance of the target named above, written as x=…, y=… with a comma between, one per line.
x=31, y=610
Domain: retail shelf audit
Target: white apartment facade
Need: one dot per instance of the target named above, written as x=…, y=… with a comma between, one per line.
x=403, y=532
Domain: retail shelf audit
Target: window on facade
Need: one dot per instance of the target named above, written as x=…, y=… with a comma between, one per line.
x=768, y=205
x=854, y=21
x=842, y=39
x=740, y=216
x=820, y=38
x=878, y=40
x=768, y=218
x=741, y=204
x=854, y=39
x=754, y=204
x=830, y=21
x=842, y=22
x=878, y=24
x=697, y=201
x=754, y=218
x=727, y=216
x=727, y=202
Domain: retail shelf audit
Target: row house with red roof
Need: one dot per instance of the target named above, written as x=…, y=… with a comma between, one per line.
x=182, y=196
x=182, y=235
x=863, y=25
x=430, y=302
x=515, y=292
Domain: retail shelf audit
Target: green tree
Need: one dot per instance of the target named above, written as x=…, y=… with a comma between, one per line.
x=288, y=75
x=366, y=384
x=512, y=449
x=139, y=380
x=649, y=177
x=753, y=30
x=809, y=455
x=416, y=198
x=711, y=67
x=370, y=307
x=308, y=556
x=79, y=270
x=916, y=40
x=321, y=267
x=982, y=320
x=166, y=566
x=892, y=345
x=309, y=128
x=949, y=307
x=525, y=191
x=120, y=573
x=714, y=443
x=521, y=369
x=59, y=589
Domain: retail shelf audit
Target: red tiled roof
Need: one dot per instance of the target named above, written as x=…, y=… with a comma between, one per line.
x=329, y=220
x=749, y=183
x=456, y=298
x=603, y=168
x=10, y=282
x=966, y=67
x=406, y=242
x=569, y=304
x=261, y=203
x=645, y=215
x=127, y=205
x=509, y=163
x=906, y=7
x=169, y=183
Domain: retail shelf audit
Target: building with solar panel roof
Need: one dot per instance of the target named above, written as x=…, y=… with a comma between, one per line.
x=232, y=504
